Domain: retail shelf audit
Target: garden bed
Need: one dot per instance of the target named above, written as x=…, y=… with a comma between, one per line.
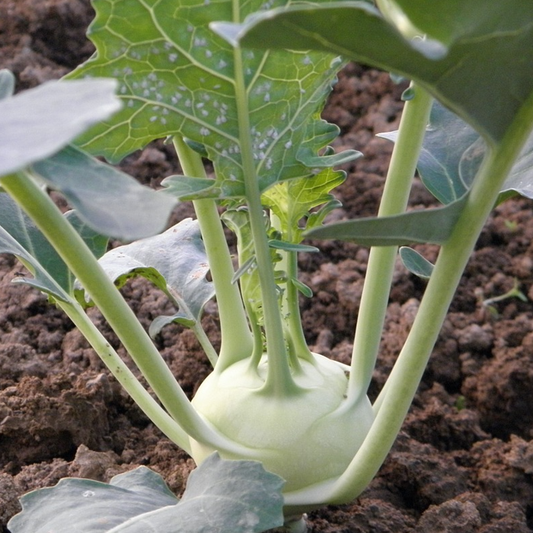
x=464, y=460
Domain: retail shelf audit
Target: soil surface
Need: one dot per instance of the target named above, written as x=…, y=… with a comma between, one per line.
x=464, y=460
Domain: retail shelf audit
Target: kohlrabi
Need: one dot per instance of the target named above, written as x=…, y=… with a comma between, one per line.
x=242, y=86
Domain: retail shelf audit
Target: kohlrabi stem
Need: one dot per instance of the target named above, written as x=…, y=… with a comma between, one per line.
x=375, y=296
x=124, y=376
x=405, y=377
x=279, y=379
x=82, y=263
x=237, y=341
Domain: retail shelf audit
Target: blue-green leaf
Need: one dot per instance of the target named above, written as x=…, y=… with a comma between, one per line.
x=108, y=200
x=415, y=262
x=520, y=178
x=88, y=506
x=23, y=239
x=184, y=188
x=291, y=247
x=42, y=279
x=236, y=496
x=475, y=56
x=421, y=226
x=174, y=261
x=450, y=157
x=7, y=84
x=37, y=123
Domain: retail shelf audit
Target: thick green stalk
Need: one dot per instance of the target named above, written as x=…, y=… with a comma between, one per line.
x=237, y=341
x=82, y=263
x=409, y=368
x=375, y=296
x=124, y=376
x=279, y=379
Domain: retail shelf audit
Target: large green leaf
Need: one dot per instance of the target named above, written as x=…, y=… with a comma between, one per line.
x=177, y=77
x=236, y=496
x=39, y=122
x=476, y=57
x=20, y=237
x=110, y=201
x=175, y=261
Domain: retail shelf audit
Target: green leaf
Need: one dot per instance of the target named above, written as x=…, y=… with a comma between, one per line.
x=450, y=157
x=159, y=322
x=23, y=239
x=415, y=262
x=84, y=505
x=302, y=287
x=291, y=247
x=184, y=188
x=39, y=122
x=236, y=496
x=177, y=77
x=322, y=132
x=423, y=226
x=470, y=45
x=109, y=201
x=7, y=84
x=241, y=497
x=293, y=201
x=174, y=261
x=452, y=154
x=520, y=178
x=42, y=280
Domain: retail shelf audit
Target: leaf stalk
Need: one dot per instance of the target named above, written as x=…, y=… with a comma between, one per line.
x=237, y=340
x=279, y=381
x=376, y=290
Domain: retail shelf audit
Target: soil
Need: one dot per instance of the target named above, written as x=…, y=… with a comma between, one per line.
x=464, y=459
